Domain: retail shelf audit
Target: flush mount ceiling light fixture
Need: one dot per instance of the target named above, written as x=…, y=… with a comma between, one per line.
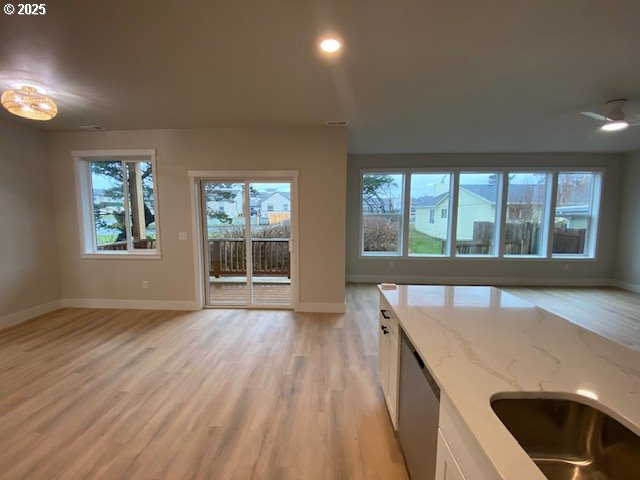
x=330, y=45
x=30, y=102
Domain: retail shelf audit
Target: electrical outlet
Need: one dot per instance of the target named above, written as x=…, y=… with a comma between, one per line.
x=566, y=266
x=182, y=236
x=391, y=264
x=145, y=284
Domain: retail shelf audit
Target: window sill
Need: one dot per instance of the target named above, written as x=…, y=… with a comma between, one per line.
x=508, y=258
x=121, y=256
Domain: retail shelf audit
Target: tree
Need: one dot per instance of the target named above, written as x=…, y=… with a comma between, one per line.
x=219, y=192
x=377, y=193
x=139, y=184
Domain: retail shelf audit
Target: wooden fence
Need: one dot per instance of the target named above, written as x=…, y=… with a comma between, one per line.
x=271, y=257
x=523, y=239
x=569, y=240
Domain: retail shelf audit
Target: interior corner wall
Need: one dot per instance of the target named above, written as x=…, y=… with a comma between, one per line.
x=29, y=273
x=488, y=271
x=628, y=257
x=319, y=154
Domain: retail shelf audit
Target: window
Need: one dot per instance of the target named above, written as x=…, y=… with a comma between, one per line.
x=117, y=195
x=382, y=211
x=269, y=208
x=526, y=203
x=574, y=224
x=285, y=207
x=429, y=233
x=498, y=213
x=478, y=208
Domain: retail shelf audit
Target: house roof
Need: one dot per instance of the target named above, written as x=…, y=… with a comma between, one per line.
x=428, y=201
x=264, y=196
x=518, y=193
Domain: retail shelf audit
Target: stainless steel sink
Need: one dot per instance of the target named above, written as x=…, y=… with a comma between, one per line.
x=570, y=440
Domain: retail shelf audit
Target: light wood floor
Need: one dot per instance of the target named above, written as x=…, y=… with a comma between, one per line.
x=610, y=312
x=219, y=394
x=216, y=394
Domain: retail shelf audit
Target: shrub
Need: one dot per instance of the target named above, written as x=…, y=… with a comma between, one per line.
x=380, y=233
x=276, y=230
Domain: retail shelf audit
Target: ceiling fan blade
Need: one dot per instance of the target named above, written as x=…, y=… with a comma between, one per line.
x=632, y=119
x=595, y=116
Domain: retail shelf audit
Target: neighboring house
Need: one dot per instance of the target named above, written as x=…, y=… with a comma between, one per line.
x=274, y=202
x=432, y=215
x=477, y=203
x=232, y=207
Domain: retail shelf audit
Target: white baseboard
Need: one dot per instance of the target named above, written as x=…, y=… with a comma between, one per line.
x=506, y=281
x=322, y=307
x=130, y=304
x=632, y=287
x=29, y=313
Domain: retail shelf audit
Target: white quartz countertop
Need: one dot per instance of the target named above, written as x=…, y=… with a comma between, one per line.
x=479, y=342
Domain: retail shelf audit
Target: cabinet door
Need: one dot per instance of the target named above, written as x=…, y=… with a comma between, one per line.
x=383, y=352
x=446, y=466
x=394, y=367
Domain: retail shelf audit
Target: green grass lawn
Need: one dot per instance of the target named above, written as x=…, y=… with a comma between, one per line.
x=422, y=243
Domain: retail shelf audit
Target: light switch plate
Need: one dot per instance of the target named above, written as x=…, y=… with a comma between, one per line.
x=182, y=235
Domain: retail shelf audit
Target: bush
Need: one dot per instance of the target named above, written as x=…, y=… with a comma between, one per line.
x=380, y=233
x=277, y=230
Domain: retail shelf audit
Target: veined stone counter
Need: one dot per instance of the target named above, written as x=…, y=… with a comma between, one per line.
x=480, y=342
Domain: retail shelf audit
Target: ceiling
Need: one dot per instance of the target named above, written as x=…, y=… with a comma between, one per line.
x=415, y=76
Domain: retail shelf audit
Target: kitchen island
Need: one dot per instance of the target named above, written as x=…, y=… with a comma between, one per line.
x=480, y=344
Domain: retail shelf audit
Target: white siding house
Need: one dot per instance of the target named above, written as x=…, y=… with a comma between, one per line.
x=276, y=202
x=434, y=220
x=432, y=214
x=472, y=208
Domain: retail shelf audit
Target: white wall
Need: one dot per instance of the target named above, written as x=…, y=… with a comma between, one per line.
x=319, y=154
x=29, y=274
x=628, y=265
x=467, y=270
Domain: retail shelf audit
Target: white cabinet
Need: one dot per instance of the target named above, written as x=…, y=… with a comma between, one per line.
x=389, y=358
x=446, y=466
x=458, y=448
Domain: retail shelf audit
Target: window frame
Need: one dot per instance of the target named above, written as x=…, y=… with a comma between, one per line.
x=593, y=223
x=85, y=202
x=593, y=233
x=432, y=211
x=404, y=218
x=498, y=229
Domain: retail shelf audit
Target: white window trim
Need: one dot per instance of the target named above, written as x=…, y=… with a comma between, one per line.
x=591, y=247
x=84, y=201
x=401, y=243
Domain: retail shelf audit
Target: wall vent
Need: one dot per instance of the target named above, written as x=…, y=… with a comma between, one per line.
x=337, y=123
x=91, y=128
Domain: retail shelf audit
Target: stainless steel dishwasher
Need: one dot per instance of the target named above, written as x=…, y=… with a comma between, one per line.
x=419, y=411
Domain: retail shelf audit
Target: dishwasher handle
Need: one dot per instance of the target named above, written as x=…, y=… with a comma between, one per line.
x=419, y=359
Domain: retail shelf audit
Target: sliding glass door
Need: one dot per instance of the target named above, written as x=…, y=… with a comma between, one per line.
x=223, y=209
x=270, y=243
x=248, y=238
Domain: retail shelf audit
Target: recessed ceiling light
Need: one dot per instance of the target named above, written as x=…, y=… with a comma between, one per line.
x=330, y=45
x=614, y=126
x=29, y=102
